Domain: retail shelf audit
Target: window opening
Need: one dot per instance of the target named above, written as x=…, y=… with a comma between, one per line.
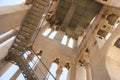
x=64, y=40
x=52, y=35
x=53, y=70
x=46, y=32
x=71, y=43
x=64, y=74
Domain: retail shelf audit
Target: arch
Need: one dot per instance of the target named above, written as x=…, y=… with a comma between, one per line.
x=52, y=74
x=112, y=18
x=11, y=2
x=65, y=71
x=64, y=74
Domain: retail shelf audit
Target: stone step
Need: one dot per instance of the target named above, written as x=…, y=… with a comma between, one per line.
x=29, y=25
x=27, y=30
x=19, y=42
x=23, y=39
x=31, y=21
x=25, y=34
x=38, y=10
x=22, y=49
x=33, y=17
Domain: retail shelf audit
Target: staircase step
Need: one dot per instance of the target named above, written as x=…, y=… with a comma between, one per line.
x=39, y=6
x=22, y=38
x=28, y=25
x=42, y=2
x=33, y=17
x=31, y=21
x=38, y=10
x=26, y=35
x=35, y=14
x=22, y=49
x=27, y=30
x=17, y=41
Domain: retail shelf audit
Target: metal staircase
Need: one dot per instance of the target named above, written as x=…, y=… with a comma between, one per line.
x=20, y=44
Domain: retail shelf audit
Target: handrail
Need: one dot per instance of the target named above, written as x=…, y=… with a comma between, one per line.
x=43, y=64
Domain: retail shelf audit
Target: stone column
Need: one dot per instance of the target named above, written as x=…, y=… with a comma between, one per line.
x=72, y=72
x=11, y=33
x=15, y=76
x=59, y=36
x=88, y=71
x=59, y=72
x=4, y=48
x=4, y=66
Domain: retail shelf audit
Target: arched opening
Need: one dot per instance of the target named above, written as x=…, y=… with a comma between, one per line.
x=71, y=43
x=112, y=18
x=53, y=34
x=65, y=72
x=64, y=40
x=11, y=2
x=52, y=74
x=52, y=70
x=46, y=32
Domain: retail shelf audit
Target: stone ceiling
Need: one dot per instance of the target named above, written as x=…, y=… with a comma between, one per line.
x=76, y=14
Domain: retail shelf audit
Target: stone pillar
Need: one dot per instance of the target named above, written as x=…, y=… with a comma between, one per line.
x=97, y=61
x=67, y=41
x=15, y=76
x=9, y=35
x=4, y=48
x=59, y=71
x=11, y=17
x=88, y=71
x=4, y=66
x=59, y=36
x=75, y=45
x=72, y=72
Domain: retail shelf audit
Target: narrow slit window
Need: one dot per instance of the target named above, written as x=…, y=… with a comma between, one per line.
x=64, y=40
x=46, y=32
x=52, y=35
x=71, y=43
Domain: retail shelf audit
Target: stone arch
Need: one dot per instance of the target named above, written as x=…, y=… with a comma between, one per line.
x=112, y=18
